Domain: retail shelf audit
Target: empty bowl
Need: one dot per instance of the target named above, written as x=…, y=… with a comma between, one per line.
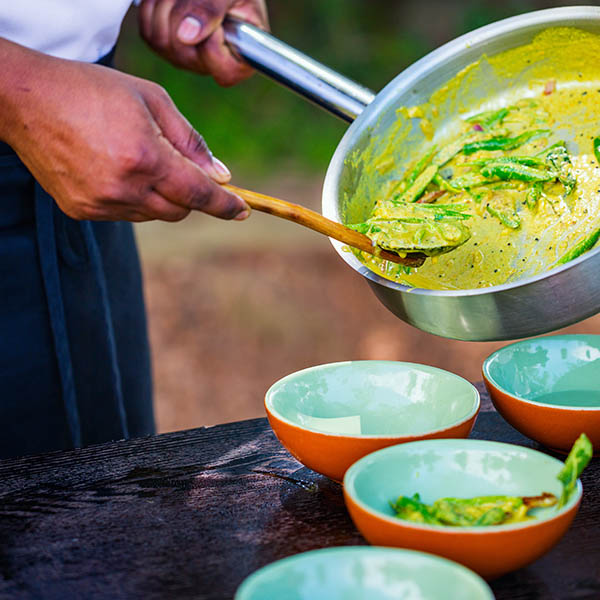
x=548, y=388
x=461, y=469
x=331, y=415
x=356, y=573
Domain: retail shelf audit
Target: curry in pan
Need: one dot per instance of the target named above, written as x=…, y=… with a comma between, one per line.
x=506, y=190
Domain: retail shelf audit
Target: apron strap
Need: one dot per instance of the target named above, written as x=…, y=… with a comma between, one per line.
x=44, y=211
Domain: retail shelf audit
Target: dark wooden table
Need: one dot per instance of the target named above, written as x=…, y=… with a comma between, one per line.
x=191, y=514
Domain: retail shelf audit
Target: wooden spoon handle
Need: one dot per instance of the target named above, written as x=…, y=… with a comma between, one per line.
x=317, y=222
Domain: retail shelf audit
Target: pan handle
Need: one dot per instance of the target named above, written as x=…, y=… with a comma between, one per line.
x=323, y=86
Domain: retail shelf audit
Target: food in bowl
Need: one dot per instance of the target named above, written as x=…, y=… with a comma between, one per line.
x=461, y=469
x=520, y=177
x=495, y=510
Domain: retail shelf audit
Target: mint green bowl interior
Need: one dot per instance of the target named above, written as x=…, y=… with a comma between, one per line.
x=454, y=468
x=377, y=398
x=561, y=370
x=363, y=573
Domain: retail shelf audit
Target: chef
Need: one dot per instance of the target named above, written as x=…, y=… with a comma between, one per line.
x=84, y=151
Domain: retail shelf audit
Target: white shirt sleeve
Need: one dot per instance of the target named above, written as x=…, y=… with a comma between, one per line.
x=81, y=30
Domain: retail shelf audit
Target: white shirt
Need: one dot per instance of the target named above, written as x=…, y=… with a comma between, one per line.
x=77, y=29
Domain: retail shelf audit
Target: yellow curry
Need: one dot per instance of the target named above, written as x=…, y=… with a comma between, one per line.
x=508, y=190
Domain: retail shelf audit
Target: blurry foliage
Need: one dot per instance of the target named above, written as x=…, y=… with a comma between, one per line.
x=258, y=127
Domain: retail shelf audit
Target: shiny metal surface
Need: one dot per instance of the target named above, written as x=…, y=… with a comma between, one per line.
x=286, y=65
x=526, y=307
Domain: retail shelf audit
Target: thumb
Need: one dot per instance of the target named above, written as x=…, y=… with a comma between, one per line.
x=192, y=21
x=189, y=31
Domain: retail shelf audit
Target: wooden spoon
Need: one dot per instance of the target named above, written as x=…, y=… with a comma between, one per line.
x=317, y=222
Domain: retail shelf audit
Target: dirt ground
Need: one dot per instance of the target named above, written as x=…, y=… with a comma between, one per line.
x=235, y=306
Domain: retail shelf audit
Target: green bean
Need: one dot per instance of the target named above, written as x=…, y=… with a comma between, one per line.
x=534, y=194
x=468, y=181
x=545, y=151
x=558, y=159
x=489, y=118
x=505, y=185
x=529, y=161
x=597, y=148
x=514, y=171
x=444, y=185
x=577, y=460
x=446, y=210
x=447, y=153
x=503, y=143
x=583, y=246
x=418, y=169
x=420, y=183
x=511, y=221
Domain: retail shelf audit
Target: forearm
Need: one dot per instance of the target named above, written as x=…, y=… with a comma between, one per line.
x=21, y=77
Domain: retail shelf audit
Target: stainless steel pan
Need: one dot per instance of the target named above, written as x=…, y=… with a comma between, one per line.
x=520, y=309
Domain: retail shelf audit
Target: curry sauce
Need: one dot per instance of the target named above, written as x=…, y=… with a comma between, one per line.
x=519, y=171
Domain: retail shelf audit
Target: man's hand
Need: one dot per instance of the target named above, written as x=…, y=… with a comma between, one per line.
x=106, y=145
x=189, y=34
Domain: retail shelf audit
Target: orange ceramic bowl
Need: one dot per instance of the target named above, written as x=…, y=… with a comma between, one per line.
x=548, y=388
x=331, y=415
x=461, y=469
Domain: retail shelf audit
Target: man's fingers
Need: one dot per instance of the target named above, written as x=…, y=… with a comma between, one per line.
x=180, y=133
x=183, y=183
x=158, y=207
x=161, y=35
x=218, y=60
x=145, y=18
x=192, y=21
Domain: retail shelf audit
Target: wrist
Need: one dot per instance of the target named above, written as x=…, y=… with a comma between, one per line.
x=19, y=86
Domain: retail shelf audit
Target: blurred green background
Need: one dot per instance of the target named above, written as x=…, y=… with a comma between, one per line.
x=258, y=127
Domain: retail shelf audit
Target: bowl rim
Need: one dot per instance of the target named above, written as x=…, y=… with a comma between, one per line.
x=352, y=472
x=272, y=411
x=245, y=586
x=493, y=356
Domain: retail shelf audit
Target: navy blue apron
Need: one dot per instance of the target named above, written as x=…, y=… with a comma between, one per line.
x=74, y=355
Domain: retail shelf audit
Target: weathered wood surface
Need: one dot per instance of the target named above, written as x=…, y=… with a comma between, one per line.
x=190, y=514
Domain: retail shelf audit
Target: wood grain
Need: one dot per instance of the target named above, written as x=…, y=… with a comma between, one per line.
x=317, y=222
x=191, y=514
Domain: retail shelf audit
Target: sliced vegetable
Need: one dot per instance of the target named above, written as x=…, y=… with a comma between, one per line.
x=408, y=227
x=413, y=193
x=530, y=161
x=418, y=169
x=468, y=181
x=470, y=512
x=577, y=460
x=448, y=152
x=514, y=171
x=534, y=194
x=504, y=143
x=489, y=118
x=510, y=220
x=597, y=148
x=496, y=510
x=558, y=159
x=583, y=246
x=445, y=185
